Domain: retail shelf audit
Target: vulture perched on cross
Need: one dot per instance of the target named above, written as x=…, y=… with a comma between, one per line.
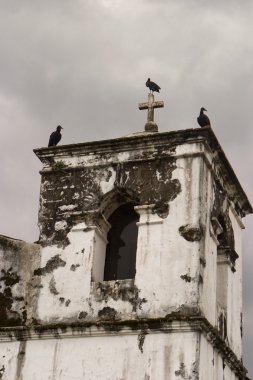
x=152, y=86
x=55, y=137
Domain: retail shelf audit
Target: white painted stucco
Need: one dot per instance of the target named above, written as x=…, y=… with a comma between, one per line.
x=176, y=285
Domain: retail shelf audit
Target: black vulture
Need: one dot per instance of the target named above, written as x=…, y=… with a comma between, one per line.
x=203, y=119
x=55, y=136
x=152, y=86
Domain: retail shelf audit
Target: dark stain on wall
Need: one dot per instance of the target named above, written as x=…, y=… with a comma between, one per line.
x=107, y=314
x=202, y=261
x=9, y=277
x=68, y=194
x=18, y=288
x=161, y=209
x=52, y=287
x=9, y=317
x=21, y=359
x=182, y=371
x=220, y=213
x=241, y=325
x=141, y=177
x=67, y=302
x=186, y=278
x=52, y=264
x=222, y=325
x=74, y=266
x=141, y=340
x=82, y=315
x=2, y=370
x=190, y=233
x=200, y=279
x=124, y=290
x=185, y=310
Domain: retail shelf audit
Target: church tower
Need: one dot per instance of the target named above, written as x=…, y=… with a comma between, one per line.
x=137, y=274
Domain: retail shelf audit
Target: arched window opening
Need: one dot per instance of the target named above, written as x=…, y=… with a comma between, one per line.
x=122, y=244
x=226, y=257
x=226, y=237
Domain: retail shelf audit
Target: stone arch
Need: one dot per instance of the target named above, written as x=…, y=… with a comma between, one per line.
x=115, y=198
x=112, y=225
x=117, y=207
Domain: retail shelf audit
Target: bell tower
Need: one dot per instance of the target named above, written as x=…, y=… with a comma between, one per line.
x=137, y=273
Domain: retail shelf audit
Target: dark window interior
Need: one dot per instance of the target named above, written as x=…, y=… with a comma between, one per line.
x=122, y=243
x=226, y=238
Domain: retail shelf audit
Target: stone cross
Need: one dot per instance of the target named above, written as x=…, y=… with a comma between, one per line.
x=150, y=125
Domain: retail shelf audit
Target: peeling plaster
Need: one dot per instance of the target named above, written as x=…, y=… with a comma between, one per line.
x=191, y=233
x=107, y=314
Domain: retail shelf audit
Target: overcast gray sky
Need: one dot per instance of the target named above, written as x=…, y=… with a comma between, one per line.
x=83, y=64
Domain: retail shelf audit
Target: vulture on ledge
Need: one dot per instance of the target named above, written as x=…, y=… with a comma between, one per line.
x=55, y=137
x=203, y=119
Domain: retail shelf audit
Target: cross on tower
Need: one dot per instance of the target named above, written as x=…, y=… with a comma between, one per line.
x=150, y=125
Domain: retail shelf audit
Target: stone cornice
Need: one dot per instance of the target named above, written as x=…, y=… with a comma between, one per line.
x=173, y=138
x=172, y=323
x=146, y=141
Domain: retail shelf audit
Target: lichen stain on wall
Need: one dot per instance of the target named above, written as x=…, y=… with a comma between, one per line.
x=18, y=288
x=65, y=194
x=124, y=290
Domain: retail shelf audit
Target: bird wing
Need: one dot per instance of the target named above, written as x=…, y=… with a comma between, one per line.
x=206, y=120
x=57, y=138
x=203, y=120
x=155, y=86
x=52, y=139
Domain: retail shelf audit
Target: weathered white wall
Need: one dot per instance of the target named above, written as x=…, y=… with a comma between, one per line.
x=163, y=255
x=234, y=311
x=167, y=265
x=176, y=271
x=19, y=290
x=159, y=356
x=65, y=290
x=227, y=283
x=186, y=355
x=208, y=246
x=211, y=365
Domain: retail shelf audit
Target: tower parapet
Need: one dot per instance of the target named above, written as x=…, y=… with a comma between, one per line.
x=140, y=244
